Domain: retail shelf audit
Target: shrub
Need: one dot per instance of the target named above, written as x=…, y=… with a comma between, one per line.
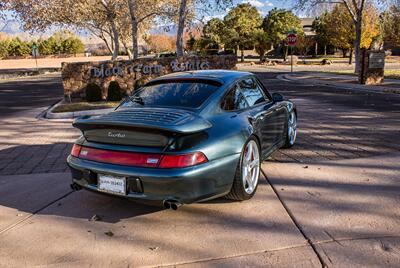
x=93, y=93
x=114, y=92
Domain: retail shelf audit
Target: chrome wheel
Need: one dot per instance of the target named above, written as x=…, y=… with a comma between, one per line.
x=250, y=167
x=292, y=126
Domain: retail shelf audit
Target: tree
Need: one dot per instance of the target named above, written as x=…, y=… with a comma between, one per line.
x=304, y=43
x=262, y=43
x=110, y=20
x=278, y=23
x=160, y=43
x=214, y=31
x=355, y=9
x=184, y=13
x=340, y=29
x=391, y=26
x=320, y=26
x=243, y=20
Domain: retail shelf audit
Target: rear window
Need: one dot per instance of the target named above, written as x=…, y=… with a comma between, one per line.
x=175, y=94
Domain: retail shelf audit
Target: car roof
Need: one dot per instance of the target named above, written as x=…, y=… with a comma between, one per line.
x=220, y=76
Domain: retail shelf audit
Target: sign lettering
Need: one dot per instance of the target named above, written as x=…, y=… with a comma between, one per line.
x=148, y=69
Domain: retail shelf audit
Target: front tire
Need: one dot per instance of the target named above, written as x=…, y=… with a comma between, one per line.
x=291, y=130
x=247, y=172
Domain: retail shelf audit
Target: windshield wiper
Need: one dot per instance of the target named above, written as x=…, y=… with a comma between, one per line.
x=136, y=99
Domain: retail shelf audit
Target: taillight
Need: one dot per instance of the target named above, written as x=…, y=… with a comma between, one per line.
x=139, y=159
x=76, y=149
x=120, y=158
x=183, y=160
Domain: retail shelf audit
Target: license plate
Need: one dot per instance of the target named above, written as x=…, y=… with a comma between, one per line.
x=112, y=184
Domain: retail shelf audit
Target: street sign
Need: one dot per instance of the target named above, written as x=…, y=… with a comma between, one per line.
x=291, y=39
x=35, y=53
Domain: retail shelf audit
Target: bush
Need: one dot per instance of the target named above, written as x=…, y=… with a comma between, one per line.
x=114, y=92
x=59, y=43
x=93, y=93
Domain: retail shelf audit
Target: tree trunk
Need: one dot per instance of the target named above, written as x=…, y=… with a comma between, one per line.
x=325, y=50
x=181, y=27
x=357, y=42
x=351, y=57
x=344, y=51
x=262, y=57
x=102, y=37
x=127, y=49
x=285, y=54
x=241, y=55
x=115, y=39
x=134, y=25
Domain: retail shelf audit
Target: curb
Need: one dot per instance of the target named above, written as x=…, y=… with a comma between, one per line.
x=48, y=114
x=358, y=88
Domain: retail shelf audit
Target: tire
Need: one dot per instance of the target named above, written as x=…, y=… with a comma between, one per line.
x=242, y=188
x=291, y=130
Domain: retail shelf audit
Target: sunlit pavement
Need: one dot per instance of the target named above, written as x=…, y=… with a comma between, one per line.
x=331, y=200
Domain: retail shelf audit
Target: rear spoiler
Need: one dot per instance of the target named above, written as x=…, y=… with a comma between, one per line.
x=161, y=119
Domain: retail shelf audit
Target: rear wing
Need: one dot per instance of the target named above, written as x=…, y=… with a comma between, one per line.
x=163, y=119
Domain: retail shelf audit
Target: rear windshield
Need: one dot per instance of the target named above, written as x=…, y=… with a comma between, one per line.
x=174, y=94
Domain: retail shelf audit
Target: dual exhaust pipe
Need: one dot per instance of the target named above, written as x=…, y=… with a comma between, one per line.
x=172, y=204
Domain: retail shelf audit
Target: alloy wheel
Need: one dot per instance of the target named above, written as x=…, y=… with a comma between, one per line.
x=292, y=128
x=250, y=167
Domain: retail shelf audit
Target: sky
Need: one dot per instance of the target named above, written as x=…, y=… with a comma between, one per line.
x=263, y=7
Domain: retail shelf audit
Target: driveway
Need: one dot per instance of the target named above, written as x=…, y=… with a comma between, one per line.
x=331, y=201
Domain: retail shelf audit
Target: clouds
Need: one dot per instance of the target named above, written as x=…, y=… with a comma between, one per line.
x=259, y=4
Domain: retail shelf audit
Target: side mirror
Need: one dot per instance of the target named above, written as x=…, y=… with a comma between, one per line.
x=276, y=97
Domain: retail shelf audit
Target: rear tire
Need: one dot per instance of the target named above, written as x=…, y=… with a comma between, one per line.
x=247, y=172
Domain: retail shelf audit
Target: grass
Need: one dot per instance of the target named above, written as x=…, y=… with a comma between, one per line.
x=83, y=106
x=389, y=74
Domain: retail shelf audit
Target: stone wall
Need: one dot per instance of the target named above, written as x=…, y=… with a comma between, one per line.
x=372, y=67
x=131, y=73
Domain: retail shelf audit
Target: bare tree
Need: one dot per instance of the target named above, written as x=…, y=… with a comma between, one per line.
x=184, y=11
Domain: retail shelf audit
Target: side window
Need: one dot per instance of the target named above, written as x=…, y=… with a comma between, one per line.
x=263, y=90
x=234, y=100
x=251, y=91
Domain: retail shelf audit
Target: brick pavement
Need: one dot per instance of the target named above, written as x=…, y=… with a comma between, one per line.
x=28, y=145
x=330, y=127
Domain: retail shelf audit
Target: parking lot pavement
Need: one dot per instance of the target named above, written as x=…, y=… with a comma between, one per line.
x=212, y=233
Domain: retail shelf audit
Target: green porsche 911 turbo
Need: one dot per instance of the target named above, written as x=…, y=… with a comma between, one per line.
x=184, y=137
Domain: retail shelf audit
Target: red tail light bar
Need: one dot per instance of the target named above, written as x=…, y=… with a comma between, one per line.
x=138, y=159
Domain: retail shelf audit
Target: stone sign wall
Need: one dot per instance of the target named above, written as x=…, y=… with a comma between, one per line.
x=130, y=74
x=372, y=67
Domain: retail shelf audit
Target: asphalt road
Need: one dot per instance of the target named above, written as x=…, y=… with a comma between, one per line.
x=22, y=94
x=330, y=200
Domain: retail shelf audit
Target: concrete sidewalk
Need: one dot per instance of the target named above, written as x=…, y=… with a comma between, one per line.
x=342, y=81
x=341, y=213
x=46, y=224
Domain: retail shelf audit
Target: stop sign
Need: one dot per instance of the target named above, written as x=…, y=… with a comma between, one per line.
x=291, y=39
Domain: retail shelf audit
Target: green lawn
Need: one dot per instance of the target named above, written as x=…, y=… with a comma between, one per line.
x=82, y=106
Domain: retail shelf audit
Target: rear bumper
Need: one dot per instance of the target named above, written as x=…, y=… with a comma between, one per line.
x=186, y=185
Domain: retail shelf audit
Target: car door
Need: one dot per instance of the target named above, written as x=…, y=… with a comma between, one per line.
x=279, y=114
x=260, y=113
